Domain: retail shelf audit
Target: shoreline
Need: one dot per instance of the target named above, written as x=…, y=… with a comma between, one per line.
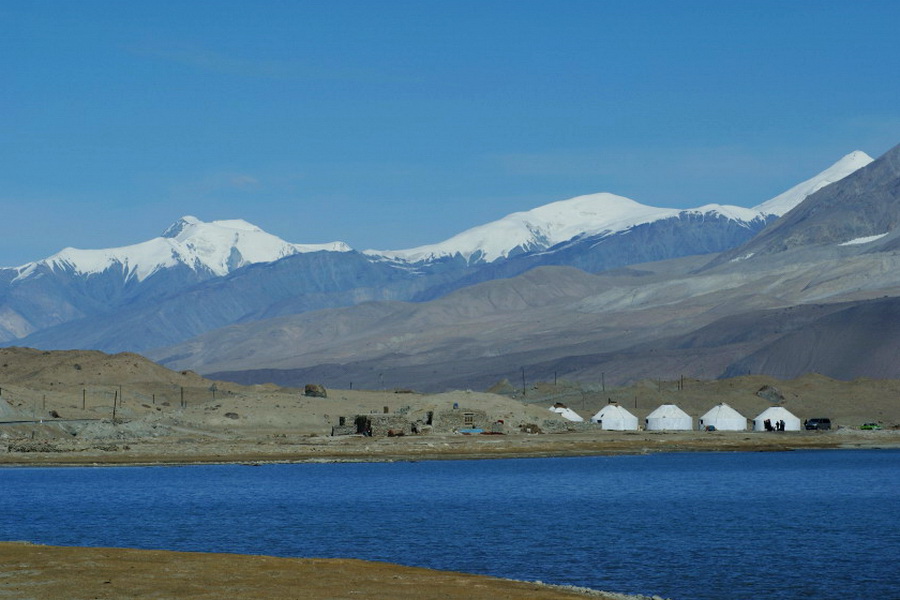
x=193, y=451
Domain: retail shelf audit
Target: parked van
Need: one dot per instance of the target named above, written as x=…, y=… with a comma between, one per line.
x=818, y=423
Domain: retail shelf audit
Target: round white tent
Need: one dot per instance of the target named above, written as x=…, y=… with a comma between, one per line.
x=723, y=418
x=774, y=414
x=669, y=417
x=615, y=418
x=566, y=413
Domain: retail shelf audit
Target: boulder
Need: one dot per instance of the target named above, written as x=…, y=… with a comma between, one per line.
x=315, y=390
x=771, y=393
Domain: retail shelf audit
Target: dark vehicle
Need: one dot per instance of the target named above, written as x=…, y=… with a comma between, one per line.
x=820, y=424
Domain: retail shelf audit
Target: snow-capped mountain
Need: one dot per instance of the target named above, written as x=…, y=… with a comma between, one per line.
x=859, y=211
x=599, y=215
x=218, y=248
x=76, y=284
x=782, y=203
x=538, y=229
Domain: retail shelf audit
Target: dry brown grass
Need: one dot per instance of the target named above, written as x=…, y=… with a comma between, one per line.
x=56, y=573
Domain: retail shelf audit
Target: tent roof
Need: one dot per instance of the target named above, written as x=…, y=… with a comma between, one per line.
x=776, y=412
x=722, y=411
x=668, y=411
x=613, y=411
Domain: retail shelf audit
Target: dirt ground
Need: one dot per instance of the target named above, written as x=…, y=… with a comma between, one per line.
x=53, y=573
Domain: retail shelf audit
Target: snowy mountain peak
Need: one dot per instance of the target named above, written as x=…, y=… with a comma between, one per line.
x=218, y=247
x=189, y=226
x=786, y=201
x=175, y=229
x=539, y=228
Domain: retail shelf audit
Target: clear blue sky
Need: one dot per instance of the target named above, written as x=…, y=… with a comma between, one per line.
x=390, y=124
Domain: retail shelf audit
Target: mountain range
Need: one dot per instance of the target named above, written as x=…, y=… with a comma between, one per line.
x=598, y=285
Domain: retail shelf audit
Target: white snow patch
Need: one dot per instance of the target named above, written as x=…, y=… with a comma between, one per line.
x=863, y=240
x=736, y=213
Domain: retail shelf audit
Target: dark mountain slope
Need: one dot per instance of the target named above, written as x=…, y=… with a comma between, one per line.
x=859, y=340
x=688, y=234
x=865, y=203
x=294, y=284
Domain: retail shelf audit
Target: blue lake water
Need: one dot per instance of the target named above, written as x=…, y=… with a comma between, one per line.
x=811, y=524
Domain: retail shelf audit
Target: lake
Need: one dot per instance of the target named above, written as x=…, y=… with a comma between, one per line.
x=786, y=525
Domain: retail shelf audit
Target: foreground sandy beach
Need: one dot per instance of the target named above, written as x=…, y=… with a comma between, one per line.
x=54, y=573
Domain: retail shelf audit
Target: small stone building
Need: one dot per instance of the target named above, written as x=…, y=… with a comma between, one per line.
x=461, y=419
x=405, y=423
x=376, y=425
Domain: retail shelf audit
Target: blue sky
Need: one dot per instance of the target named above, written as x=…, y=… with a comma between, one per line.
x=390, y=124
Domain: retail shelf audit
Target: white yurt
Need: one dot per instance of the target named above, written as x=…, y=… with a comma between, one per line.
x=775, y=414
x=723, y=418
x=566, y=413
x=668, y=417
x=615, y=418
